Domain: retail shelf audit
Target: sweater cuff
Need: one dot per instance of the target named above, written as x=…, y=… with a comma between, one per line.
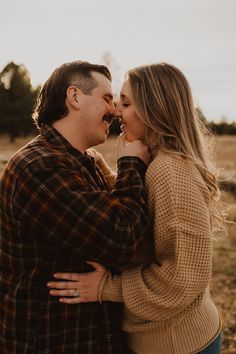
x=110, y=288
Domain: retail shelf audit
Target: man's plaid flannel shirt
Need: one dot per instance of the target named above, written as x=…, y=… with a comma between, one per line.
x=56, y=213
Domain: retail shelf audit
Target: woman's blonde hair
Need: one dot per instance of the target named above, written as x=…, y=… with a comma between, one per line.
x=164, y=102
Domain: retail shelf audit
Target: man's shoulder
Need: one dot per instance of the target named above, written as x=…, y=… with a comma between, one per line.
x=37, y=154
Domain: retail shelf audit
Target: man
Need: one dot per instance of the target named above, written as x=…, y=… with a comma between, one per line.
x=57, y=212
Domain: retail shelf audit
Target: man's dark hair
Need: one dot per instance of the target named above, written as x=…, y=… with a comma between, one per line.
x=50, y=104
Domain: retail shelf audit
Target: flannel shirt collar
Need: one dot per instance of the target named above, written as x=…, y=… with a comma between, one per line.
x=55, y=138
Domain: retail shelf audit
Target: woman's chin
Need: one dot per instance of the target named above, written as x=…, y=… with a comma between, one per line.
x=130, y=138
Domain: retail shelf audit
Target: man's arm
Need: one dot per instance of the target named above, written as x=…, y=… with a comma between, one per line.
x=96, y=225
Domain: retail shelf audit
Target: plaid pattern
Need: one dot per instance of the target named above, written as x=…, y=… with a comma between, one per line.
x=56, y=212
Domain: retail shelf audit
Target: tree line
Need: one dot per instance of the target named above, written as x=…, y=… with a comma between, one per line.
x=17, y=100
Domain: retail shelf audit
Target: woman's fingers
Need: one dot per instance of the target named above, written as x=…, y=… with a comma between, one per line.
x=97, y=266
x=67, y=296
x=70, y=300
x=78, y=287
x=69, y=292
x=68, y=276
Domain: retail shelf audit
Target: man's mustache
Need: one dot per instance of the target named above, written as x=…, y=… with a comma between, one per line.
x=109, y=118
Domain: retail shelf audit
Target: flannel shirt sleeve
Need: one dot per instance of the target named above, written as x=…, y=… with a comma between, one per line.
x=103, y=226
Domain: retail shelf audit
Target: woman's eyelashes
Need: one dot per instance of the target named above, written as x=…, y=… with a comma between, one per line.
x=125, y=104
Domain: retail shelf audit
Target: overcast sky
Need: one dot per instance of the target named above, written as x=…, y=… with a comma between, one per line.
x=198, y=36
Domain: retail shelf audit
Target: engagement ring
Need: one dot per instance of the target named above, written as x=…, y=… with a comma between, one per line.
x=76, y=293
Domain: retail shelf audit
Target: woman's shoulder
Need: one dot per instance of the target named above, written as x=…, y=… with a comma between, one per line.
x=174, y=171
x=167, y=163
x=173, y=167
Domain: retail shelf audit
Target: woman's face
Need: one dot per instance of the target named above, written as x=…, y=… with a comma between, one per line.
x=131, y=124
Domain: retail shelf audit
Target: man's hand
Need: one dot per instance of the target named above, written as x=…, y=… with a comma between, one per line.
x=135, y=148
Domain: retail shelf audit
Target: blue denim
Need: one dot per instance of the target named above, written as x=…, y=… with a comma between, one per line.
x=214, y=347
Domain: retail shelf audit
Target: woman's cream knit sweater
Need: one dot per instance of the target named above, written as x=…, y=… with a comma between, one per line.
x=168, y=306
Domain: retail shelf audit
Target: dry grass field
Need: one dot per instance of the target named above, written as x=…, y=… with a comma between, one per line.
x=224, y=264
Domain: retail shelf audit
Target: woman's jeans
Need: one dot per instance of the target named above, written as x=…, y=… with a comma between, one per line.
x=214, y=347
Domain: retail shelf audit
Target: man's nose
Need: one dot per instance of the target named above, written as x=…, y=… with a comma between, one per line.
x=117, y=112
x=112, y=109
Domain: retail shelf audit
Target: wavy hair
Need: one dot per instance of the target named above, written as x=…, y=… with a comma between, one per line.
x=164, y=102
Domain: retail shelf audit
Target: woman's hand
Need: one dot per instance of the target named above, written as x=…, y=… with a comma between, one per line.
x=95, y=154
x=78, y=287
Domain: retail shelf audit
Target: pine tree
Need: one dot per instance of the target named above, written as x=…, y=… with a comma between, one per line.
x=16, y=101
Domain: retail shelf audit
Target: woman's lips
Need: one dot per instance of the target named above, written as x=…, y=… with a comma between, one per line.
x=123, y=125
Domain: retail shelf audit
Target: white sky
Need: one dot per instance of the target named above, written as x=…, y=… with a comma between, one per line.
x=198, y=36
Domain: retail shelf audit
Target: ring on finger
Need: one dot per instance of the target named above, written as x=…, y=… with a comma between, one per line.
x=76, y=293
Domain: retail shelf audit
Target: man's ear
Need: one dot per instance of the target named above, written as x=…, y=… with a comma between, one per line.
x=72, y=94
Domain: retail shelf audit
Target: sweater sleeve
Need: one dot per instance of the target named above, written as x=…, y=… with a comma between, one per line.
x=179, y=201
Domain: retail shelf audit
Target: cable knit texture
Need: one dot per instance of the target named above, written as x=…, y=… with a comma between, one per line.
x=168, y=306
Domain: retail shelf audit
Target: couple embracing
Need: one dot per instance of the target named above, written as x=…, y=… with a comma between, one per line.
x=97, y=262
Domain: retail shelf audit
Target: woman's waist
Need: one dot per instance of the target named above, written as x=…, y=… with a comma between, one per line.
x=177, y=335
x=202, y=310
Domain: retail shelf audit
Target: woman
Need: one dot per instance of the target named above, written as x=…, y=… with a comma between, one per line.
x=168, y=307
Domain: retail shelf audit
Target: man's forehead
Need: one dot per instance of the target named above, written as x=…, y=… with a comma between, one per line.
x=104, y=84
x=99, y=77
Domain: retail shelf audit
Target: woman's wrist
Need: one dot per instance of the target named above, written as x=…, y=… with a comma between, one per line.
x=101, y=285
x=110, y=288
